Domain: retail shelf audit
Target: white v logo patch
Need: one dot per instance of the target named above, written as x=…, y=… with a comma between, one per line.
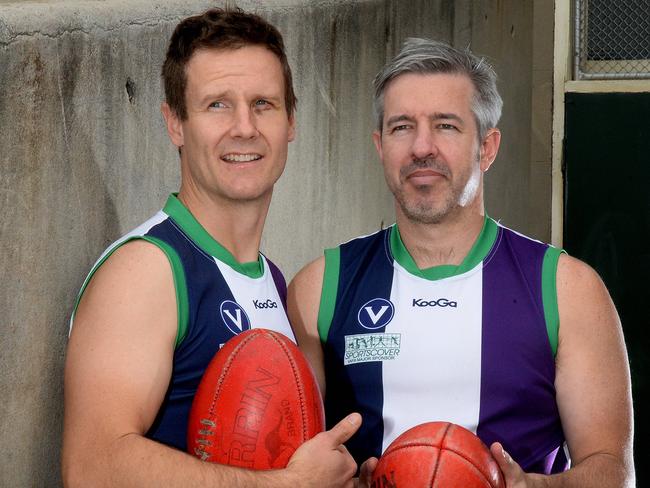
x=375, y=317
x=235, y=320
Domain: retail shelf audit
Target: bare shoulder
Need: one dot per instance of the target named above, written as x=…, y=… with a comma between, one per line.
x=583, y=299
x=589, y=321
x=573, y=272
x=135, y=277
x=129, y=302
x=120, y=351
x=311, y=275
x=303, y=294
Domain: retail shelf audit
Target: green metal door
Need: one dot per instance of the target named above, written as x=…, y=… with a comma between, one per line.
x=607, y=222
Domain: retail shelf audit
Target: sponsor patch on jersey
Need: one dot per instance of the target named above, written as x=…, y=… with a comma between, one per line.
x=365, y=348
x=376, y=313
x=234, y=316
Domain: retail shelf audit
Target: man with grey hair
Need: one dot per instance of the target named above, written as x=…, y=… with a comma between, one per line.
x=448, y=315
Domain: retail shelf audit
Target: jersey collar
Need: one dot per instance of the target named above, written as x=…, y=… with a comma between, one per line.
x=195, y=231
x=477, y=253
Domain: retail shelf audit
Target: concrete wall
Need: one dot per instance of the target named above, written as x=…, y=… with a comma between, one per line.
x=84, y=157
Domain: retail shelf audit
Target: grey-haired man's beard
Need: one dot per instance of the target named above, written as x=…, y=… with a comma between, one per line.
x=421, y=209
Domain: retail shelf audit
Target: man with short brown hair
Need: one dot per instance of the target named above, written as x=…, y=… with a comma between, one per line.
x=160, y=301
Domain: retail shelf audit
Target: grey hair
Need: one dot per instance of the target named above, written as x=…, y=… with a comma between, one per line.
x=425, y=56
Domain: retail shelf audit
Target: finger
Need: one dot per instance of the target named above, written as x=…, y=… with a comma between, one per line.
x=342, y=431
x=499, y=454
x=368, y=467
x=510, y=469
x=365, y=474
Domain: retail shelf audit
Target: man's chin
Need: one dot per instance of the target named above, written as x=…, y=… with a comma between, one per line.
x=249, y=195
x=425, y=212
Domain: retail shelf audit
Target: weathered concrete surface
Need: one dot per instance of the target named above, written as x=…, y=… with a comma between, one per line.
x=85, y=157
x=502, y=31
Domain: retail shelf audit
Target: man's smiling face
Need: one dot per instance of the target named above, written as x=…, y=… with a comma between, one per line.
x=235, y=137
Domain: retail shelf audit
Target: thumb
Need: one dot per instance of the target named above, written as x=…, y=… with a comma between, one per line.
x=345, y=429
x=510, y=469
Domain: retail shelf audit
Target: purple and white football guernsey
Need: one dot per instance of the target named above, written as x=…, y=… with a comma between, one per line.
x=217, y=298
x=472, y=344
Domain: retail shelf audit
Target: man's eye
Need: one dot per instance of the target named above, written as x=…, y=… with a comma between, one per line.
x=263, y=105
x=217, y=105
x=399, y=128
x=447, y=126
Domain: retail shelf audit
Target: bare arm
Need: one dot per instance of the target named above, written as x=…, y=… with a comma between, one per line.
x=592, y=385
x=303, y=302
x=118, y=368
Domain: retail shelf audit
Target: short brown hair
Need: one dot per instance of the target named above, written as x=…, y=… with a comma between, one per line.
x=219, y=29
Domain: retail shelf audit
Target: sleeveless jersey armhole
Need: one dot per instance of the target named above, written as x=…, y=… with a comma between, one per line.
x=549, y=295
x=328, y=292
x=180, y=286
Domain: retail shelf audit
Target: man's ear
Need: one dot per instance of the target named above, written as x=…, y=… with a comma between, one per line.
x=376, y=138
x=490, y=148
x=174, y=125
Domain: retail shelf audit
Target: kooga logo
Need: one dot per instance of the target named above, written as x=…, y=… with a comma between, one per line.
x=267, y=304
x=440, y=302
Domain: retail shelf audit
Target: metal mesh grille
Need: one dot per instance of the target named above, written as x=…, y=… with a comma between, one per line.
x=612, y=39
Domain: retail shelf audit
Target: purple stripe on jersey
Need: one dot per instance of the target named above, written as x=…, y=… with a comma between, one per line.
x=280, y=283
x=518, y=405
x=560, y=462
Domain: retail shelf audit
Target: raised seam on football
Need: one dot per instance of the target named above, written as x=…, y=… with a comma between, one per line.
x=298, y=383
x=470, y=462
x=410, y=446
x=437, y=465
x=226, y=368
x=442, y=439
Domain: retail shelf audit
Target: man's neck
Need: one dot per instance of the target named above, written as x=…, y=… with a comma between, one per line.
x=447, y=242
x=237, y=226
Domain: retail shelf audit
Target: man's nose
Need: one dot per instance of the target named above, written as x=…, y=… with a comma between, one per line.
x=424, y=144
x=244, y=124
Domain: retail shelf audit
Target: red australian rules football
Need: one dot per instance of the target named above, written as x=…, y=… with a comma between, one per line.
x=437, y=455
x=257, y=402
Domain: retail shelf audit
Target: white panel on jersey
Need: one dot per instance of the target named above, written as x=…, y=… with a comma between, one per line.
x=437, y=375
x=259, y=300
x=140, y=230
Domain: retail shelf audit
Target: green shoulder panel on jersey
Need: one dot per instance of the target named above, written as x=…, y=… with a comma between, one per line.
x=328, y=292
x=549, y=295
x=180, y=285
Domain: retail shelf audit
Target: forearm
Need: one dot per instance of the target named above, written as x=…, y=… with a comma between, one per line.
x=595, y=471
x=134, y=461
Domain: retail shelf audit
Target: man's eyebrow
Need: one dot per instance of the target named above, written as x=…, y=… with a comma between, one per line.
x=446, y=116
x=398, y=118
x=227, y=94
x=209, y=97
x=434, y=116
